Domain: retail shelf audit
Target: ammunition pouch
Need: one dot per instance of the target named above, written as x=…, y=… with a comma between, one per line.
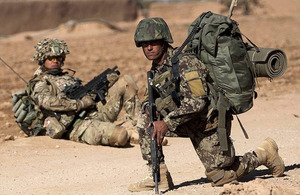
x=54, y=128
x=165, y=105
x=169, y=98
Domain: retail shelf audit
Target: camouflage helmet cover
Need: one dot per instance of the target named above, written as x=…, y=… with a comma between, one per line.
x=50, y=47
x=150, y=29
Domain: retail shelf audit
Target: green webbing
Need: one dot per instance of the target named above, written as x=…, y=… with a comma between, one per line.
x=242, y=127
x=222, y=106
x=175, y=60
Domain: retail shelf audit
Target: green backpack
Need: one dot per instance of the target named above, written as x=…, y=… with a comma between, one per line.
x=29, y=118
x=217, y=42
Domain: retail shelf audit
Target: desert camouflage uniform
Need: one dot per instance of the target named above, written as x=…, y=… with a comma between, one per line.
x=195, y=119
x=97, y=126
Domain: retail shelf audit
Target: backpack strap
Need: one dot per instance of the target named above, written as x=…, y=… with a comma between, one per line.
x=223, y=106
x=242, y=127
x=175, y=59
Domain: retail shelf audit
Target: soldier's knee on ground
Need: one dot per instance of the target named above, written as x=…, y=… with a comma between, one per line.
x=106, y=134
x=219, y=177
x=53, y=128
x=92, y=136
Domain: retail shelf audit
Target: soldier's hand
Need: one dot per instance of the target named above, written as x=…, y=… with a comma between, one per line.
x=112, y=79
x=160, y=130
x=85, y=103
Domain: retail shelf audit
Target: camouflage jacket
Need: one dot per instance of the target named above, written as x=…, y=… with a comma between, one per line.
x=46, y=91
x=193, y=91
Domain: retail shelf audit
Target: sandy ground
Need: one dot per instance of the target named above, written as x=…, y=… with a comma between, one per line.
x=40, y=165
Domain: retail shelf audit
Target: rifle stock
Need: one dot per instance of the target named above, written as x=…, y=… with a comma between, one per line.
x=154, y=149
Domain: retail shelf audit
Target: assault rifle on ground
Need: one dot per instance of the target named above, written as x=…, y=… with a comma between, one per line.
x=154, y=149
x=98, y=85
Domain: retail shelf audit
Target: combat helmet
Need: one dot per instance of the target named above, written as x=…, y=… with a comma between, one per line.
x=150, y=29
x=48, y=48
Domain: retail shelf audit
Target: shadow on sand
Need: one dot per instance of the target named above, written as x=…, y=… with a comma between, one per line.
x=262, y=174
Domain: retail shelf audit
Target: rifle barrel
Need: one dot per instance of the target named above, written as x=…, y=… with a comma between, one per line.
x=154, y=149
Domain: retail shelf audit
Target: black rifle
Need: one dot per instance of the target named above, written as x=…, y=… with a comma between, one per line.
x=154, y=148
x=98, y=85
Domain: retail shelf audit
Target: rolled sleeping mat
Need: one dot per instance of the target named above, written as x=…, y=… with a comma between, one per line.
x=268, y=62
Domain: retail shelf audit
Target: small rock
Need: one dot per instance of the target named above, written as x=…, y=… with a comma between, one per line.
x=9, y=137
x=8, y=124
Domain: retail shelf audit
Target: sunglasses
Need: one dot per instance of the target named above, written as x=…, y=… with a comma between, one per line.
x=53, y=58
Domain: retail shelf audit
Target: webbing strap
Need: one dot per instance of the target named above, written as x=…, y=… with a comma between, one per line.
x=222, y=106
x=242, y=127
x=218, y=176
x=256, y=48
x=175, y=60
x=213, y=98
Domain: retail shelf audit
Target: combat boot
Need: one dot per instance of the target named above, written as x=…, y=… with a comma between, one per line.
x=133, y=136
x=267, y=154
x=148, y=184
x=119, y=137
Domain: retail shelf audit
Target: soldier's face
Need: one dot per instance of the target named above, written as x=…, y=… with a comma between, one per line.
x=53, y=62
x=153, y=50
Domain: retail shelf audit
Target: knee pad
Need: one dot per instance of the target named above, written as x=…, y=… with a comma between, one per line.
x=125, y=86
x=131, y=83
x=219, y=177
x=54, y=128
x=96, y=132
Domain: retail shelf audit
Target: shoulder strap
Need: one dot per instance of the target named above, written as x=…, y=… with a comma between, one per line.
x=32, y=83
x=175, y=60
x=223, y=106
x=36, y=79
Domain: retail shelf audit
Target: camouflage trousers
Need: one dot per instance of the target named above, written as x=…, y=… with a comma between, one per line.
x=216, y=162
x=97, y=127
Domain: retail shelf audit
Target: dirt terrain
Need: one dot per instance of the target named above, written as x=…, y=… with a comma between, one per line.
x=41, y=165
